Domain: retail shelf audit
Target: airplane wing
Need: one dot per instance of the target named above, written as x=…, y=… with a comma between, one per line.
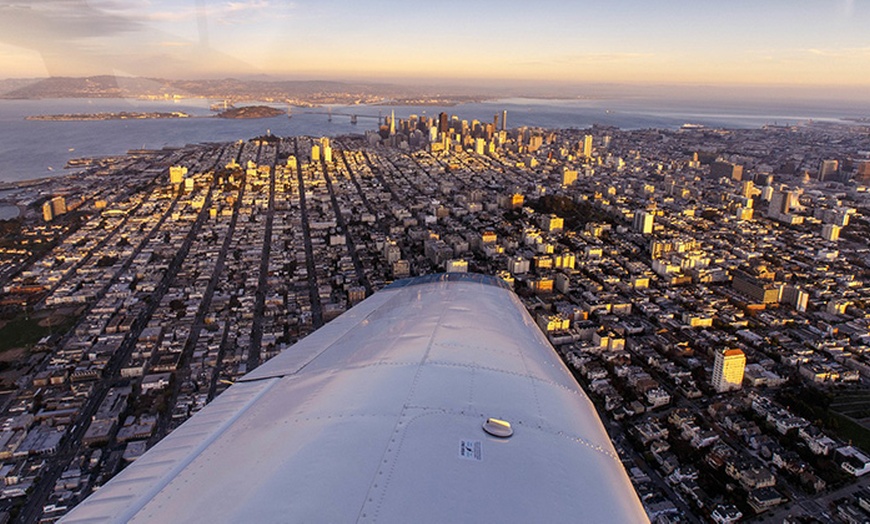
x=379, y=417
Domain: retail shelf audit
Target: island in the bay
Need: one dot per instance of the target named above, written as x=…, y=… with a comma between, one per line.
x=250, y=112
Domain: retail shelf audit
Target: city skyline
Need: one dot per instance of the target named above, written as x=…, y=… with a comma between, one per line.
x=545, y=44
x=336, y=253
x=138, y=289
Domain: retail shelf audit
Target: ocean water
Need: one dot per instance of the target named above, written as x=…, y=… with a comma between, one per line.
x=7, y=212
x=36, y=149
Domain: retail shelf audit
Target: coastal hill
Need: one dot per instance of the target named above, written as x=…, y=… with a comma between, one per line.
x=295, y=92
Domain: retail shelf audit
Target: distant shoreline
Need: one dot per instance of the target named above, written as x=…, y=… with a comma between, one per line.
x=245, y=112
x=21, y=184
x=122, y=115
x=36, y=149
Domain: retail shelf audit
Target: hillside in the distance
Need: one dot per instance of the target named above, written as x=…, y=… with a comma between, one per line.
x=302, y=92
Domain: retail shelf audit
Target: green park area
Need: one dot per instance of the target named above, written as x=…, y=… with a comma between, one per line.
x=845, y=413
x=24, y=332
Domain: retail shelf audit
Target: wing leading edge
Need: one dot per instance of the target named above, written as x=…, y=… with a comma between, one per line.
x=378, y=417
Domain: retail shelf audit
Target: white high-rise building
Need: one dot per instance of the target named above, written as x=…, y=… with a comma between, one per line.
x=728, y=370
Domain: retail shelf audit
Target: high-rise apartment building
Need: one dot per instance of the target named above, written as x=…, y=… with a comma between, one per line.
x=728, y=370
x=643, y=221
x=58, y=205
x=828, y=169
x=177, y=174
x=831, y=232
x=587, y=146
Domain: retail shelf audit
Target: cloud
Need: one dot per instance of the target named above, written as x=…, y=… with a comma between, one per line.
x=220, y=12
x=23, y=24
x=79, y=37
x=845, y=52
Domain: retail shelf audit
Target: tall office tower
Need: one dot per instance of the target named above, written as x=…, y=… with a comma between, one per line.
x=728, y=370
x=495, y=123
x=47, y=215
x=315, y=153
x=747, y=190
x=587, y=146
x=476, y=130
x=443, y=123
x=838, y=216
x=643, y=221
x=392, y=123
x=782, y=203
x=777, y=201
x=504, y=120
x=479, y=146
x=726, y=170
x=828, y=169
x=831, y=232
x=763, y=179
x=58, y=205
x=792, y=201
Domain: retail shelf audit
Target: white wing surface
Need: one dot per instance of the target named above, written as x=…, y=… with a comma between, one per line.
x=378, y=417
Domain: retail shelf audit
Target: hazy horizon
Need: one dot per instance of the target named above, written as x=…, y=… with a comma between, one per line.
x=530, y=89
x=804, y=47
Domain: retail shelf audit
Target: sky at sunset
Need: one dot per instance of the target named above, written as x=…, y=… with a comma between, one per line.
x=782, y=42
